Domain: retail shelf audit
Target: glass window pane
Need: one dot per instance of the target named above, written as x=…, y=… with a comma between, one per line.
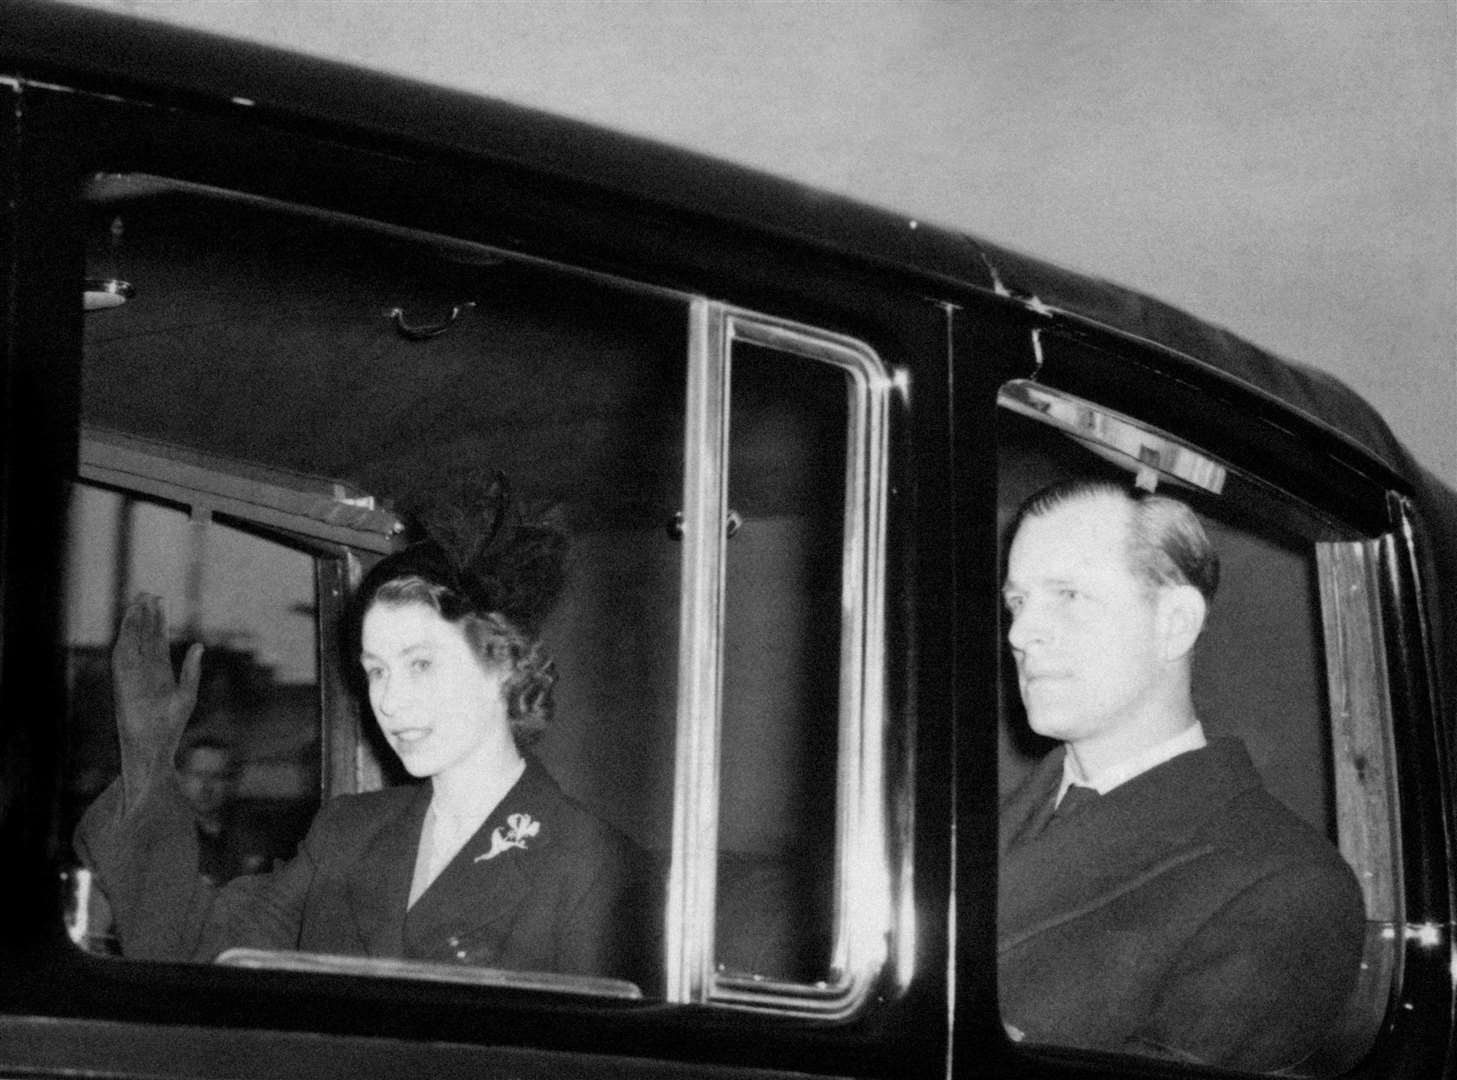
x=249, y=759
x=1201, y=894
x=782, y=666
x=382, y=372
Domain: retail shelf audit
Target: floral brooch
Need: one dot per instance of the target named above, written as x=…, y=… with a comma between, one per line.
x=519, y=829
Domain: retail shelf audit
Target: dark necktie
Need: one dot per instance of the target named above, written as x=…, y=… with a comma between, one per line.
x=1075, y=800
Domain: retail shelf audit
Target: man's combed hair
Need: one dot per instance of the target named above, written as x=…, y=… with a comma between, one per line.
x=1167, y=544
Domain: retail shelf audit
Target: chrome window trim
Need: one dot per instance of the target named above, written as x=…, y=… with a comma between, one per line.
x=692, y=875
x=1128, y=443
x=443, y=244
x=307, y=507
x=382, y=967
x=1361, y=719
x=863, y=889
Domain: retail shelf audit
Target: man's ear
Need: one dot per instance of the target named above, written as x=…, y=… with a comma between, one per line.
x=1181, y=614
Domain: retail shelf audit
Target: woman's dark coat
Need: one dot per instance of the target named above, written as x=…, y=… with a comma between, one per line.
x=539, y=887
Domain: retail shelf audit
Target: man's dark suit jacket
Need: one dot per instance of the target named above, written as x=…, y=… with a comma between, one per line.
x=548, y=899
x=236, y=849
x=1185, y=914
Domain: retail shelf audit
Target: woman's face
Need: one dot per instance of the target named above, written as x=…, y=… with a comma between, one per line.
x=438, y=705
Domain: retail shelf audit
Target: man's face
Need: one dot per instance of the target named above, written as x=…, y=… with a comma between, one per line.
x=206, y=778
x=1083, y=628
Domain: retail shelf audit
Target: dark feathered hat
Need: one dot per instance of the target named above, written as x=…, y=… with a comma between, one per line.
x=490, y=552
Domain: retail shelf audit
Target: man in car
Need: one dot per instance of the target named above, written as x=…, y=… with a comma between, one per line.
x=207, y=775
x=1154, y=898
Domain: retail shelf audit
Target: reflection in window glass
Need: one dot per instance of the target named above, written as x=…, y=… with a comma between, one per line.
x=1209, y=900
x=782, y=629
x=382, y=369
x=249, y=757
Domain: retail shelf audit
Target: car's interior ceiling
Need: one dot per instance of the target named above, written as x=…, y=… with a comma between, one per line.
x=270, y=338
x=393, y=362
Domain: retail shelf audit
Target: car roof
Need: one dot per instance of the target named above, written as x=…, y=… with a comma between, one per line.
x=105, y=50
x=108, y=52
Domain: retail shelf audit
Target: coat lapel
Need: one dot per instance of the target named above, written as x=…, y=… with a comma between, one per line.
x=1027, y=810
x=490, y=876
x=378, y=884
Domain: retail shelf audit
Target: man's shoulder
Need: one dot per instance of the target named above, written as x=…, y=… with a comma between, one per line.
x=1260, y=825
x=1251, y=825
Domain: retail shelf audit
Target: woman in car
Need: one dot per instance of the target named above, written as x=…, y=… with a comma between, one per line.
x=487, y=863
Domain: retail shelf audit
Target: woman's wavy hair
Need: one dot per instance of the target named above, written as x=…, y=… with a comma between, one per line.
x=482, y=563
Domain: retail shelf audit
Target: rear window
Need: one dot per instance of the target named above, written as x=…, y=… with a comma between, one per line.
x=275, y=390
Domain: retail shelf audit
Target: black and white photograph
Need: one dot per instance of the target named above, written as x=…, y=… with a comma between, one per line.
x=732, y=539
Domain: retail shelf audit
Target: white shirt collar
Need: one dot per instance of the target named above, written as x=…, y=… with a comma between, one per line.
x=1191, y=738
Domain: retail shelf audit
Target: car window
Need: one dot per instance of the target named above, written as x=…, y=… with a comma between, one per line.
x=315, y=379
x=276, y=391
x=251, y=752
x=1289, y=668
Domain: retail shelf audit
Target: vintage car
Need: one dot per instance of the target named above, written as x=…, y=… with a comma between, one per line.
x=254, y=304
